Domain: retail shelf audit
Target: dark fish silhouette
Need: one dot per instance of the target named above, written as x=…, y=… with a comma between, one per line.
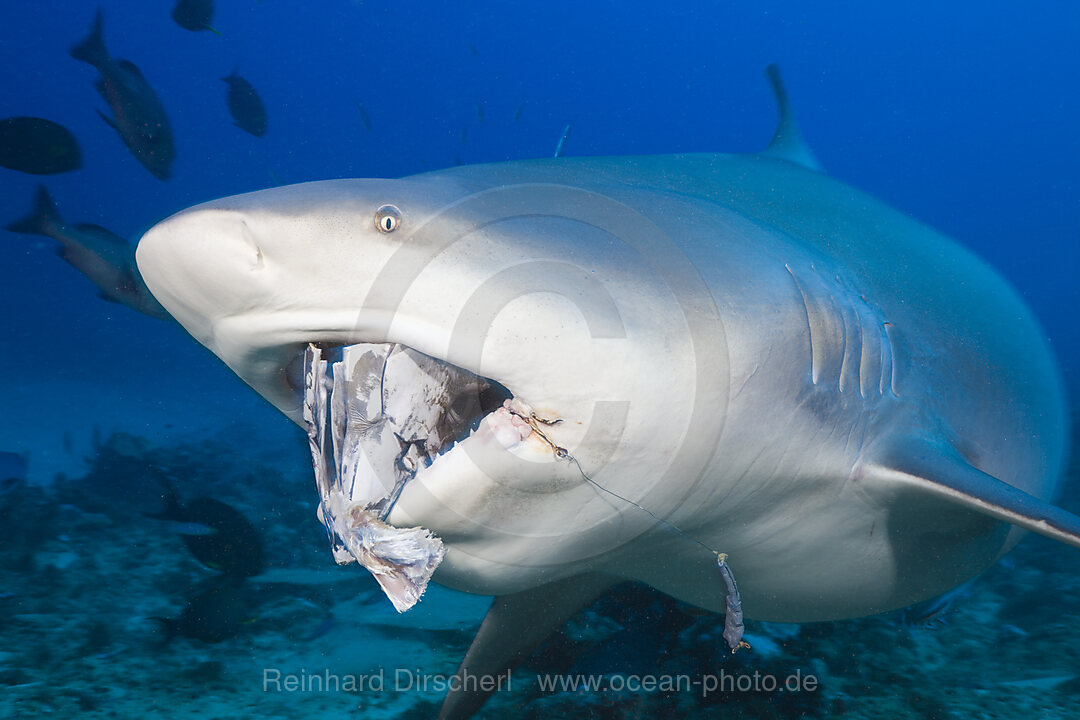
x=364, y=117
x=216, y=534
x=930, y=612
x=12, y=473
x=138, y=115
x=103, y=257
x=517, y=113
x=38, y=146
x=213, y=615
x=194, y=15
x=248, y=111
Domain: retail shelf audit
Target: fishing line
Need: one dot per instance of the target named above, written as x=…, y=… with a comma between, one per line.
x=650, y=513
x=733, y=617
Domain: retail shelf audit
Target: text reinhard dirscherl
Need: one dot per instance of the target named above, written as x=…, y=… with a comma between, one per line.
x=414, y=680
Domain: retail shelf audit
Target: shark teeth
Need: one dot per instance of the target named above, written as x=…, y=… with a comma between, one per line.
x=377, y=414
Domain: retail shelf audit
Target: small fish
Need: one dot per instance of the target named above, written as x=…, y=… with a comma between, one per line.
x=12, y=473
x=213, y=615
x=138, y=116
x=194, y=15
x=520, y=109
x=933, y=611
x=364, y=117
x=103, y=257
x=562, y=141
x=464, y=136
x=321, y=629
x=245, y=105
x=217, y=535
x=480, y=112
x=1012, y=631
x=190, y=529
x=37, y=146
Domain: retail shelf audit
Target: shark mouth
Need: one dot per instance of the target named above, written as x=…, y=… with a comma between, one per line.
x=377, y=415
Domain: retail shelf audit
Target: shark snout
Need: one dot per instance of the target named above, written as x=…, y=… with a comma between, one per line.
x=201, y=264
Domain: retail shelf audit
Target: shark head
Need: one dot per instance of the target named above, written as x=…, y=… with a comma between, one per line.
x=257, y=277
x=558, y=300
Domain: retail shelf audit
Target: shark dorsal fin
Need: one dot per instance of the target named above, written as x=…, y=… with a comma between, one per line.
x=787, y=142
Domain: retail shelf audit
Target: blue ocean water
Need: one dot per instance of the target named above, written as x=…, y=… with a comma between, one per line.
x=960, y=114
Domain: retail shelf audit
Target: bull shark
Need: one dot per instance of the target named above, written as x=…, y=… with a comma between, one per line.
x=680, y=358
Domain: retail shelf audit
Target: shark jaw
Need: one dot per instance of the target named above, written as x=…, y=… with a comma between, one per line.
x=377, y=416
x=380, y=416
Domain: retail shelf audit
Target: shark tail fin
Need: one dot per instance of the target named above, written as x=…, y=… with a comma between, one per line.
x=787, y=142
x=936, y=468
x=514, y=625
x=92, y=48
x=42, y=220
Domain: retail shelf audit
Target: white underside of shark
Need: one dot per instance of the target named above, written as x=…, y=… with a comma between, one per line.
x=703, y=353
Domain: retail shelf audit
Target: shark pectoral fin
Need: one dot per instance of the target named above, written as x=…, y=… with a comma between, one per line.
x=514, y=625
x=934, y=467
x=787, y=142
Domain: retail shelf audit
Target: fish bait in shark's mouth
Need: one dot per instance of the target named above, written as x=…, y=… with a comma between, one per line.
x=378, y=415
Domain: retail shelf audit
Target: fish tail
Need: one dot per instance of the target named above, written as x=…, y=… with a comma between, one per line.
x=92, y=49
x=42, y=220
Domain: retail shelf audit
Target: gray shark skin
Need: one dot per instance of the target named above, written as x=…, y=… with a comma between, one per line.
x=716, y=353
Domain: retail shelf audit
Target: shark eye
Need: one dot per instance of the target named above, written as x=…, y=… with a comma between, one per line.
x=387, y=218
